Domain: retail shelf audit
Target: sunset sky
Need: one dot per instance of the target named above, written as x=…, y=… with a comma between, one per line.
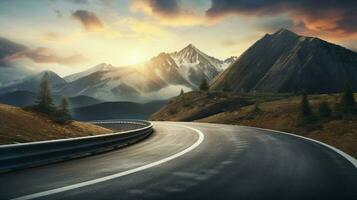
x=68, y=36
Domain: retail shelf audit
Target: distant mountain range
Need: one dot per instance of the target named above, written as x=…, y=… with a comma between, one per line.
x=287, y=62
x=27, y=98
x=160, y=78
x=279, y=62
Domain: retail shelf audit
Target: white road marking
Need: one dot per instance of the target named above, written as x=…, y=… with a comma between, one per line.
x=351, y=159
x=117, y=175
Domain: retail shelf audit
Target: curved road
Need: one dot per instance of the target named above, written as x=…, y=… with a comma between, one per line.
x=195, y=161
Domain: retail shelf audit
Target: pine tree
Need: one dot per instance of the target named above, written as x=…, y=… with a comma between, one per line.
x=305, y=114
x=305, y=109
x=44, y=101
x=347, y=104
x=324, y=110
x=63, y=115
x=204, y=85
x=348, y=99
x=181, y=92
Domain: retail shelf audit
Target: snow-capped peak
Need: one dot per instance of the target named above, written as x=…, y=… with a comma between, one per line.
x=194, y=65
x=97, y=68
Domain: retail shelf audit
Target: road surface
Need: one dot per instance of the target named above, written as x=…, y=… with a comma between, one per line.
x=195, y=161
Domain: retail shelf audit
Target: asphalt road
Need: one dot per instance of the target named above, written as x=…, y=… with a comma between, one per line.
x=195, y=161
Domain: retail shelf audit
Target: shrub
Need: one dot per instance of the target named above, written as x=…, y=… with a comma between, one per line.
x=347, y=106
x=324, y=110
x=204, y=85
x=182, y=92
x=305, y=114
x=63, y=115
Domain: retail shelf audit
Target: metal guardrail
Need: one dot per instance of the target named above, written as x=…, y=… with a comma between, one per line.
x=24, y=155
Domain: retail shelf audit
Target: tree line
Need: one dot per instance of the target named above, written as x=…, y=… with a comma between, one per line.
x=345, y=108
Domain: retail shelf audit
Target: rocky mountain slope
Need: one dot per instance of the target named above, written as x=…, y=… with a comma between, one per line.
x=287, y=62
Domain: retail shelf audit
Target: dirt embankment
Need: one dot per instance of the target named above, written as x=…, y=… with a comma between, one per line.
x=18, y=125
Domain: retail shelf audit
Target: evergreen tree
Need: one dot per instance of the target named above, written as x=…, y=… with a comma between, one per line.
x=204, y=85
x=63, y=115
x=305, y=113
x=348, y=100
x=347, y=105
x=305, y=109
x=324, y=110
x=181, y=92
x=227, y=87
x=44, y=101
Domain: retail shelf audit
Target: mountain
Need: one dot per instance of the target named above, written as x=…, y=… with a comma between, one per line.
x=18, y=98
x=31, y=83
x=162, y=77
x=193, y=65
x=25, y=98
x=230, y=60
x=287, y=62
x=100, y=67
x=117, y=110
x=142, y=82
x=9, y=74
x=81, y=101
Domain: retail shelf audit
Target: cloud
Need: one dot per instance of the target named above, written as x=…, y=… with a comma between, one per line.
x=134, y=28
x=58, y=13
x=51, y=36
x=338, y=17
x=229, y=43
x=79, y=1
x=45, y=55
x=168, y=12
x=89, y=20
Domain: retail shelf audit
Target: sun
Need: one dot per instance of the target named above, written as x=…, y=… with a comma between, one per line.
x=135, y=57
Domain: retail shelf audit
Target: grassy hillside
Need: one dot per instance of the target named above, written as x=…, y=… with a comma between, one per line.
x=18, y=125
x=280, y=113
x=197, y=105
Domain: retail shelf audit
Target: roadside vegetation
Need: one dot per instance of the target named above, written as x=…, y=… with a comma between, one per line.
x=43, y=121
x=330, y=118
x=45, y=105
